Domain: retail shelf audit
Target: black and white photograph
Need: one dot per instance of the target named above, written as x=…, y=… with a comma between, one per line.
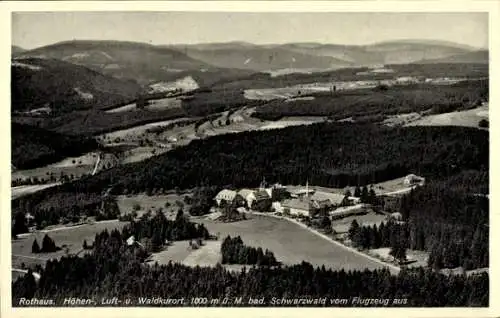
x=240, y=159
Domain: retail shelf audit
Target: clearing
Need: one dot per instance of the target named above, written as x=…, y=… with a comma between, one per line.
x=418, y=258
x=19, y=191
x=292, y=121
x=466, y=118
x=369, y=219
x=71, y=236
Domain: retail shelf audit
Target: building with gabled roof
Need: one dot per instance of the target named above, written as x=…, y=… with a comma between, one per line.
x=248, y=196
x=226, y=195
x=296, y=207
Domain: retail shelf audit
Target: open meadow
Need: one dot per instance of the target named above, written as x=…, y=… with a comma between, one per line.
x=290, y=243
x=70, y=237
x=466, y=118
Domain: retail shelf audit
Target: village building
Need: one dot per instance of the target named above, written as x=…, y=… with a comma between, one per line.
x=412, y=179
x=296, y=207
x=225, y=195
x=343, y=212
x=263, y=201
x=327, y=197
x=248, y=196
x=396, y=216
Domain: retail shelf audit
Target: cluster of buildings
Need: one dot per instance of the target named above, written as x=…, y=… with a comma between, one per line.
x=299, y=201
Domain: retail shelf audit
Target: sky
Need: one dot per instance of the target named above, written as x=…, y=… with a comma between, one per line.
x=35, y=29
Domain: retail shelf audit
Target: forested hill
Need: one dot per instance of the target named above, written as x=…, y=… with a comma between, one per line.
x=333, y=155
x=35, y=147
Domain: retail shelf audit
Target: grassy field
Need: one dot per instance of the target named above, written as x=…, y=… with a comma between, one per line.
x=466, y=118
x=136, y=131
x=290, y=243
x=72, y=237
x=369, y=219
x=126, y=203
x=19, y=191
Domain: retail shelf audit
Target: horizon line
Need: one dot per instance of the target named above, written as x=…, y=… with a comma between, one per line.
x=408, y=40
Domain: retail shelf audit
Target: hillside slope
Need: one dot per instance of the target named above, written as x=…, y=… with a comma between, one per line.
x=59, y=86
x=140, y=61
x=476, y=57
x=35, y=147
x=259, y=58
x=318, y=55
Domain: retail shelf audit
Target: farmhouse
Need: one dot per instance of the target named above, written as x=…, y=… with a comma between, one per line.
x=412, y=179
x=262, y=200
x=332, y=198
x=248, y=196
x=343, y=212
x=226, y=195
x=396, y=216
x=296, y=207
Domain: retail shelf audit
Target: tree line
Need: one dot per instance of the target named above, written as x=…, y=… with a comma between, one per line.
x=235, y=252
x=113, y=268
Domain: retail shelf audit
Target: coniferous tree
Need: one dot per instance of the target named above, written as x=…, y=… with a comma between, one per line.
x=48, y=245
x=357, y=192
x=353, y=230
x=364, y=195
x=35, y=248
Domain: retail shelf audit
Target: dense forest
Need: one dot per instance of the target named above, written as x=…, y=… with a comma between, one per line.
x=35, y=147
x=114, y=268
x=235, y=252
x=331, y=155
x=365, y=105
x=448, y=222
x=64, y=87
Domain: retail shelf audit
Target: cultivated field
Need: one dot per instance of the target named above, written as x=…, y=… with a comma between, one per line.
x=72, y=237
x=290, y=243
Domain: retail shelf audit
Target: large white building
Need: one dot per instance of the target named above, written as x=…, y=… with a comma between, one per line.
x=247, y=195
x=226, y=195
x=296, y=207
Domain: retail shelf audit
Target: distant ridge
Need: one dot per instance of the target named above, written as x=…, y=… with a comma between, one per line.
x=148, y=63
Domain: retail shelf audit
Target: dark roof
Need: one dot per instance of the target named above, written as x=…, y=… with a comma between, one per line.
x=261, y=195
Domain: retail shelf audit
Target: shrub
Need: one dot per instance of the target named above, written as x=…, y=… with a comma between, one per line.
x=484, y=123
